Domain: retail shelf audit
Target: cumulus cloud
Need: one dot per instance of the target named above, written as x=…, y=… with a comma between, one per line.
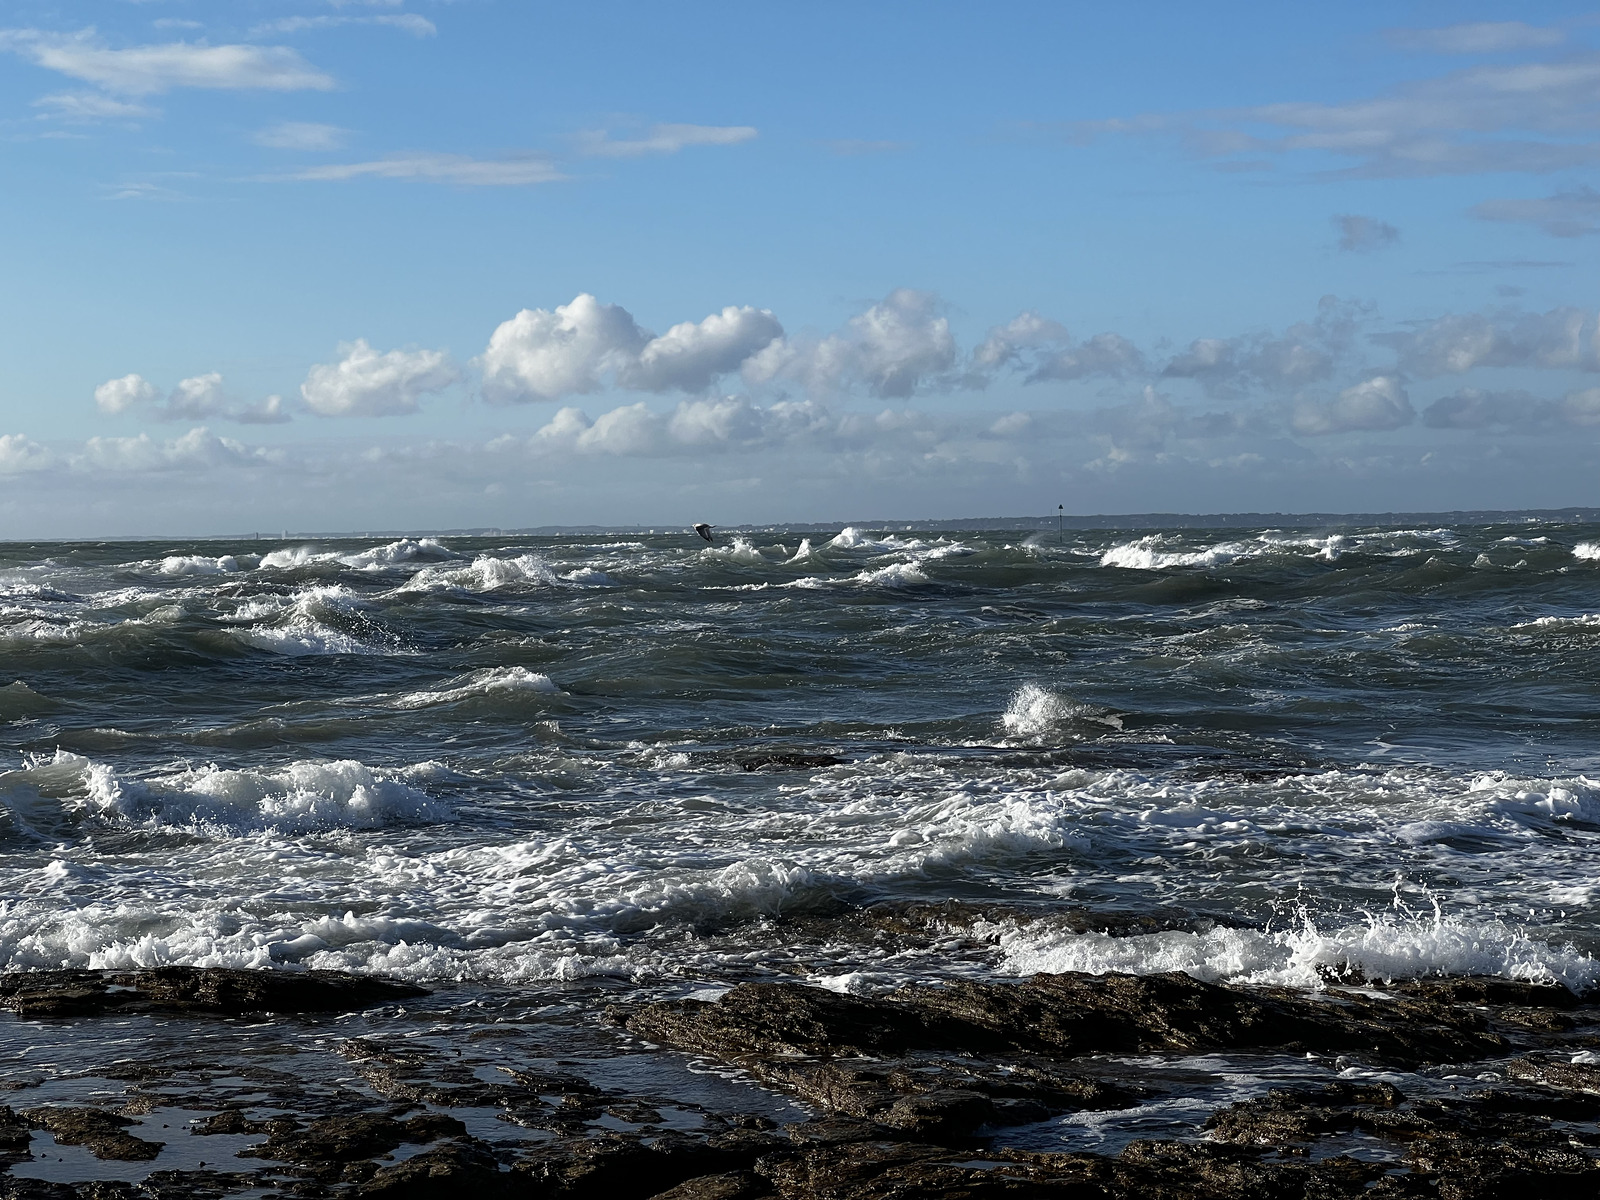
x=367, y=383
x=459, y=169
x=300, y=135
x=1361, y=235
x=1306, y=352
x=1375, y=404
x=1463, y=342
x=1571, y=212
x=543, y=355
x=663, y=139
x=689, y=356
x=199, y=397
x=119, y=395
x=196, y=450
x=146, y=70
x=586, y=345
x=20, y=454
x=710, y=425
x=898, y=346
x=1477, y=37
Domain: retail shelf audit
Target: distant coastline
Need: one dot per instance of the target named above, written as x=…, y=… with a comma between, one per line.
x=1241, y=520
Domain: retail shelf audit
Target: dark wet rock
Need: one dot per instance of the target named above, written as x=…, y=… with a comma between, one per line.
x=931, y=1098
x=195, y=989
x=15, y=1132
x=734, y=1185
x=1557, y=1073
x=348, y=1138
x=630, y=1168
x=100, y=1132
x=788, y=762
x=1065, y=1016
x=35, y=1189
x=446, y=1172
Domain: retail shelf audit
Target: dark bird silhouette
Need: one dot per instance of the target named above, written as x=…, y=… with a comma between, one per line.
x=703, y=530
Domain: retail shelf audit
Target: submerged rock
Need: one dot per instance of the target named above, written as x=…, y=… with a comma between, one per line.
x=789, y=762
x=98, y=1131
x=195, y=989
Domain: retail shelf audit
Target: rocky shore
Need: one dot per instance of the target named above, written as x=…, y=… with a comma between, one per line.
x=1459, y=1089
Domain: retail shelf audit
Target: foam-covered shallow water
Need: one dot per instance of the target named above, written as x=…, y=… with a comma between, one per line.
x=512, y=760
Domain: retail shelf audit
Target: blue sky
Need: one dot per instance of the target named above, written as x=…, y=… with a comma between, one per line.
x=318, y=265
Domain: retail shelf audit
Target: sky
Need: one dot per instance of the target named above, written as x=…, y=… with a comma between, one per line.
x=328, y=265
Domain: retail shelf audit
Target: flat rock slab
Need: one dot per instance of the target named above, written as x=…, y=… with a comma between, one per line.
x=195, y=989
x=1068, y=1015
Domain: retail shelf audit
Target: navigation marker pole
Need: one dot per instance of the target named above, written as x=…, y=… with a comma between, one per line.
x=1061, y=510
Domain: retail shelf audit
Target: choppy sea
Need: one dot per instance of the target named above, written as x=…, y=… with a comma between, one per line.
x=519, y=763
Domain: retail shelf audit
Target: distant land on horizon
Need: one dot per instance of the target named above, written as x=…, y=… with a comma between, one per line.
x=1131, y=521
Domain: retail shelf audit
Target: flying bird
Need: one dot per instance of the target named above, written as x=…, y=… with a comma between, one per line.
x=703, y=530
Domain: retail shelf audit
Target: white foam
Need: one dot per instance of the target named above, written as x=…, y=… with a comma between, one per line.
x=307, y=622
x=1035, y=713
x=291, y=557
x=403, y=551
x=486, y=573
x=300, y=796
x=487, y=682
x=895, y=575
x=1387, y=946
x=1587, y=551
x=1145, y=554
x=741, y=550
x=192, y=564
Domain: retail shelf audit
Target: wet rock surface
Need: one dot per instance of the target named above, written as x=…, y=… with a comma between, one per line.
x=195, y=989
x=1456, y=1089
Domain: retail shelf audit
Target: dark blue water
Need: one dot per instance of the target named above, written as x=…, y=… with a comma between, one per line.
x=513, y=761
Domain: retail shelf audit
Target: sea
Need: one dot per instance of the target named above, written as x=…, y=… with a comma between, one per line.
x=542, y=774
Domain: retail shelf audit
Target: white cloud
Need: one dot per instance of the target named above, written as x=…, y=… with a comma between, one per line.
x=897, y=346
x=417, y=26
x=84, y=108
x=1006, y=344
x=196, y=450
x=145, y=70
x=1375, y=404
x=194, y=398
x=270, y=411
x=663, y=139
x=1571, y=212
x=1477, y=37
x=19, y=454
x=365, y=383
x=1108, y=354
x=300, y=135
x=689, y=357
x=442, y=168
x=119, y=395
x=1462, y=342
x=197, y=398
x=544, y=355
x=1362, y=235
x=1304, y=353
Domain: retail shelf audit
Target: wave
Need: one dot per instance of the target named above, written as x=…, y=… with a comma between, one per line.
x=198, y=564
x=484, y=574
x=488, y=682
x=317, y=620
x=1587, y=551
x=1381, y=946
x=300, y=797
x=1035, y=713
